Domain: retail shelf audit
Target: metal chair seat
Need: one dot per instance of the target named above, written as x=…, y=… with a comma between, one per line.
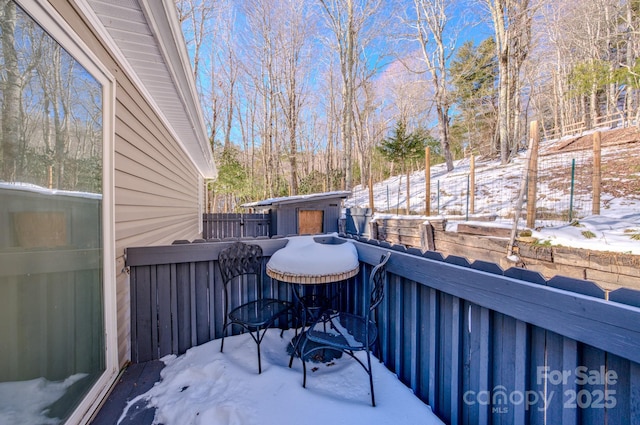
x=344, y=331
x=259, y=313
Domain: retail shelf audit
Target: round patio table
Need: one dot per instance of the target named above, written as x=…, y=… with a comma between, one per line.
x=308, y=262
x=311, y=279
x=314, y=261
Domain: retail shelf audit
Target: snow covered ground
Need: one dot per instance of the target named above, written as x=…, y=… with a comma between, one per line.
x=616, y=229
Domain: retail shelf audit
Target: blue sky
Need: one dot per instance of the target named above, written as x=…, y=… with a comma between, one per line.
x=381, y=53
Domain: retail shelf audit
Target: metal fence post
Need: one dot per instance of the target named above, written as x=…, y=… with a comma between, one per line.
x=573, y=180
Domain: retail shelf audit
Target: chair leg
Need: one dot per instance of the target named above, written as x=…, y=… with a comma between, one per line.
x=259, y=358
x=370, y=372
x=224, y=331
x=304, y=375
x=304, y=365
x=294, y=347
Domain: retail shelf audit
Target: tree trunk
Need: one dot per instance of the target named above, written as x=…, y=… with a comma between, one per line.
x=11, y=95
x=349, y=84
x=503, y=112
x=431, y=20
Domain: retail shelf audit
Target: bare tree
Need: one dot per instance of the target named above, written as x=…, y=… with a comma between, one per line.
x=512, y=22
x=197, y=15
x=350, y=21
x=431, y=18
x=590, y=42
x=205, y=23
x=261, y=66
x=294, y=26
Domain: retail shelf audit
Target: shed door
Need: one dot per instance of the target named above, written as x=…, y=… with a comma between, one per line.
x=310, y=222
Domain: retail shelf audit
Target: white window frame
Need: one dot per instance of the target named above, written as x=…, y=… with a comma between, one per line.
x=51, y=21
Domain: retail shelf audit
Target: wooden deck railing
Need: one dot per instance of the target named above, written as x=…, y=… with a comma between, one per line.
x=479, y=344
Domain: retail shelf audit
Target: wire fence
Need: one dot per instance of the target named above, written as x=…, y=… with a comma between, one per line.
x=489, y=190
x=565, y=186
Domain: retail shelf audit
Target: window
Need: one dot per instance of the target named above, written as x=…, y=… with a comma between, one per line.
x=52, y=244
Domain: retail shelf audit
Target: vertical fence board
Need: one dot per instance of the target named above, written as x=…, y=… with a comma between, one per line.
x=212, y=300
x=450, y=358
x=434, y=337
x=521, y=359
x=201, y=302
x=395, y=293
x=443, y=407
x=133, y=316
x=502, y=368
x=634, y=393
x=398, y=336
x=193, y=326
x=413, y=350
x=424, y=371
x=593, y=360
x=218, y=296
x=616, y=396
x=384, y=322
x=183, y=291
x=163, y=298
x=174, y=317
x=537, y=400
x=562, y=359
x=476, y=374
x=143, y=324
x=407, y=336
x=570, y=361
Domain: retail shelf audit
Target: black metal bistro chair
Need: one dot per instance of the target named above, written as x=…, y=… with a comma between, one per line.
x=237, y=263
x=346, y=332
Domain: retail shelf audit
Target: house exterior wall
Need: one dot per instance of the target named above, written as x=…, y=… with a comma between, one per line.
x=156, y=184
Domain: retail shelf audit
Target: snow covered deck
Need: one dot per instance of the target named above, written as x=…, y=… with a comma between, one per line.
x=475, y=342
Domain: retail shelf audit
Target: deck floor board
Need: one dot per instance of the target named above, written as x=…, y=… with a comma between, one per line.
x=137, y=379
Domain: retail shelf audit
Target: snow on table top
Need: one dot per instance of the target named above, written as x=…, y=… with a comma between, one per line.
x=304, y=256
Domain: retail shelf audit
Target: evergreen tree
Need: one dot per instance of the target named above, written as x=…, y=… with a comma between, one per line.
x=403, y=148
x=589, y=77
x=233, y=182
x=474, y=73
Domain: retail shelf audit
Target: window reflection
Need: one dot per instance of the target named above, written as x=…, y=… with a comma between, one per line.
x=51, y=298
x=51, y=111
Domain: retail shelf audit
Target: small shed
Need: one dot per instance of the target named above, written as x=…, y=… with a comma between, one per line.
x=302, y=214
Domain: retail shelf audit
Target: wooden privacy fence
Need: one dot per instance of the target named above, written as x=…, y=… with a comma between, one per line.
x=478, y=344
x=235, y=225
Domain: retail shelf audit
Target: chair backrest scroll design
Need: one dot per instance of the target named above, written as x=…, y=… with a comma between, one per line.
x=377, y=280
x=240, y=259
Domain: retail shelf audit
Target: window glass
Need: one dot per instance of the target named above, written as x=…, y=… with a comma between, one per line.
x=51, y=295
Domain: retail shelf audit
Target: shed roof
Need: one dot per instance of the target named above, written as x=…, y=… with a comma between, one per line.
x=145, y=36
x=299, y=198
